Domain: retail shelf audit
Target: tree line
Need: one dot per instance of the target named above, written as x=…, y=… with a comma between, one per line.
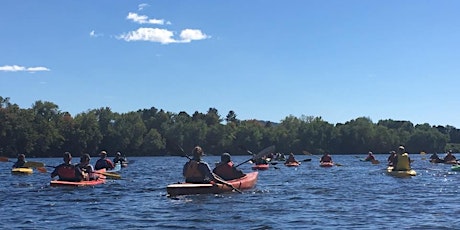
x=45, y=131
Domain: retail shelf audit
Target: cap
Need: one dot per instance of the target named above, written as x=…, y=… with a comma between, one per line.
x=103, y=152
x=401, y=147
x=118, y=154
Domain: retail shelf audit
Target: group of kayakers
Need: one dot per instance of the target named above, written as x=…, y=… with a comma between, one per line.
x=448, y=159
x=67, y=171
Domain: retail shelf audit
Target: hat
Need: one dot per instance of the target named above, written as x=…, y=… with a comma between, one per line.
x=370, y=152
x=103, y=153
x=118, y=154
x=401, y=147
x=392, y=152
x=225, y=157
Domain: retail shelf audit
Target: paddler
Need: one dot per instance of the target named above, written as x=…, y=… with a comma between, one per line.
x=391, y=158
x=370, y=156
x=226, y=169
x=326, y=158
x=196, y=170
x=20, y=162
x=86, y=167
x=450, y=158
x=104, y=162
x=67, y=171
x=402, y=160
x=291, y=159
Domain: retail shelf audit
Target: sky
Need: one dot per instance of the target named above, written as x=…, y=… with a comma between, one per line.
x=266, y=60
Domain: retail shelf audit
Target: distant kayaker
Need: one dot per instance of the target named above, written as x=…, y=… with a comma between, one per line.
x=86, y=167
x=104, y=162
x=370, y=157
x=259, y=161
x=402, y=160
x=434, y=158
x=291, y=159
x=326, y=158
x=226, y=169
x=20, y=162
x=67, y=171
x=119, y=159
x=196, y=170
x=391, y=158
x=450, y=158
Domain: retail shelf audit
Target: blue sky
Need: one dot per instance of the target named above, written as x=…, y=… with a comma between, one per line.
x=265, y=60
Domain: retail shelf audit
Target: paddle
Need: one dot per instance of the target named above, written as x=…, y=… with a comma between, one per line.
x=259, y=155
x=308, y=159
x=216, y=177
x=308, y=153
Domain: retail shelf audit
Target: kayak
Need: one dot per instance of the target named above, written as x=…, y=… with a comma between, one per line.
x=292, y=164
x=455, y=168
x=100, y=180
x=436, y=160
x=22, y=171
x=246, y=182
x=260, y=167
x=407, y=173
x=116, y=169
x=452, y=162
x=326, y=164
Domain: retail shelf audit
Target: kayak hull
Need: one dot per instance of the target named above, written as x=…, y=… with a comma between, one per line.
x=292, y=164
x=326, y=164
x=408, y=173
x=246, y=182
x=260, y=167
x=100, y=180
x=455, y=168
x=22, y=171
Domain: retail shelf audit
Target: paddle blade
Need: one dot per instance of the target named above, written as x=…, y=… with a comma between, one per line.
x=42, y=169
x=265, y=151
x=32, y=164
x=112, y=175
x=4, y=159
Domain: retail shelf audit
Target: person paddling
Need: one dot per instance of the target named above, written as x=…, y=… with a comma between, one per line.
x=391, y=158
x=87, y=168
x=291, y=159
x=119, y=159
x=434, y=158
x=450, y=158
x=370, y=157
x=402, y=160
x=104, y=162
x=326, y=158
x=20, y=162
x=196, y=170
x=67, y=171
x=226, y=169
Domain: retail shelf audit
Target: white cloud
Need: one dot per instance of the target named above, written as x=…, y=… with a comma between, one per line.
x=149, y=34
x=163, y=36
x=143, y=19
x=142, y=6
x=188, y=35
x=94, y=34
x=16, y=68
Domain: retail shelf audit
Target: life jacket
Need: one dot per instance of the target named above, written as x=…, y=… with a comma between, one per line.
x=192, y=170
x=104, y=163
x=403, y=162
x=225, y=170
x=68, y=173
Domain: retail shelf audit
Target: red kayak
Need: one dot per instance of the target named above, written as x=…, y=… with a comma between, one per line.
x=261, y=167
x=326, y=164
x=100, y=180
x=246, y=182
x=292, y=164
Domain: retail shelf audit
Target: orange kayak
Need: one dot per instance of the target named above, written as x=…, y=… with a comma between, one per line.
x=326, y=164
x=292, y=164
x=260, y=167
x=100, y=180
x=246, y=182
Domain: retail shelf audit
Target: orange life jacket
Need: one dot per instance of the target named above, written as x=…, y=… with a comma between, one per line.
x=192, y=170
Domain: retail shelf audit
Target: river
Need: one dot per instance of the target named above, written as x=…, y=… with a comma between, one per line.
x=356, y=195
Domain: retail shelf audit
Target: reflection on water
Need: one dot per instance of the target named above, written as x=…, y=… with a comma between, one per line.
x=357, y=195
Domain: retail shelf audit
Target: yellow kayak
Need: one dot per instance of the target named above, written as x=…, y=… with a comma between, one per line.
x=22, y=171
x=406, y=173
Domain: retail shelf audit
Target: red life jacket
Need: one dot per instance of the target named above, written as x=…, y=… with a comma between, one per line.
x=225, y=171
x=67, y=172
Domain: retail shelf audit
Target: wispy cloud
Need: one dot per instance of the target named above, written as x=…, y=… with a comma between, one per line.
x=142, y=6
x=16, y=68
x=143, y=19
x=163, y=36
x=93, y=34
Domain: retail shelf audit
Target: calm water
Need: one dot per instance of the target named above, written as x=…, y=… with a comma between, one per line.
x=357, y=195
